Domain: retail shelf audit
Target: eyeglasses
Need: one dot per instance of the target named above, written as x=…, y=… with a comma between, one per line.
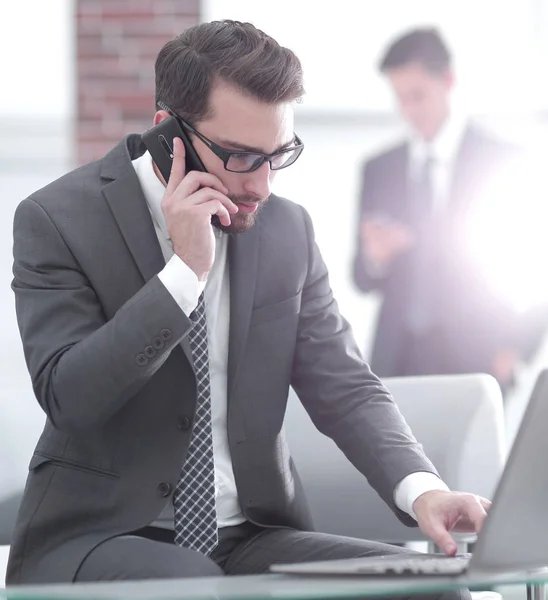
x=240, y=161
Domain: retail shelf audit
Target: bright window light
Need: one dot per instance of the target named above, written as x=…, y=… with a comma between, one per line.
x=507, y=235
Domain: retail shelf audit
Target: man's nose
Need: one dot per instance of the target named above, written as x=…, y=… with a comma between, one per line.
x=258, y=182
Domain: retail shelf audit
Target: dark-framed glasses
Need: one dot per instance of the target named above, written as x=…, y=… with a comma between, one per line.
x=242, y=161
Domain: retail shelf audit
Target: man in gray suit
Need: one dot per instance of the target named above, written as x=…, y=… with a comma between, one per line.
x=162, y=348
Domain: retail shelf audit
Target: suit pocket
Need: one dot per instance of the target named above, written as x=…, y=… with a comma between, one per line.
x=39, y=459
x=270, y=312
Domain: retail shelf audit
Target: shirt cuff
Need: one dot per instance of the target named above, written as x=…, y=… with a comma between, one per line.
x=182, y=283
x=413, y=486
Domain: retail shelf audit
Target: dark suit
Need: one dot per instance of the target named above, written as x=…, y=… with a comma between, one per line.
x=107, y=350
x=468, y=322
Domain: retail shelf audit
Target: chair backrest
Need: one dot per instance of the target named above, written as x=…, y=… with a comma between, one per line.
x=20, y=427
x=457, y=418
x=9, y=507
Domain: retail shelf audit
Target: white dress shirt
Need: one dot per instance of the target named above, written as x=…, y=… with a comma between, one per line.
x=183, y=285
x=443, y=150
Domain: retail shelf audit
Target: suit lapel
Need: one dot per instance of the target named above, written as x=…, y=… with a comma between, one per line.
x=399, y=197
x=127, y=203
x=243, y=256
x=129, y=208
x=125, y=197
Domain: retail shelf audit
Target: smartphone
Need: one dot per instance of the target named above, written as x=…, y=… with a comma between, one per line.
x=159, y=142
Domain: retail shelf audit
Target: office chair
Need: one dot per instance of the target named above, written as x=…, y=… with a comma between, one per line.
x=9, y=505
x=457, y=418
x=459, y=421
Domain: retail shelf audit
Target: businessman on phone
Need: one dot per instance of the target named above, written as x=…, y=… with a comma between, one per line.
x=162, y=348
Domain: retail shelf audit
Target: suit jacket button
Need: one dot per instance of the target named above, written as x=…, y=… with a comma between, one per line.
x=184, y=423
x=150, y=352
x=166, y=334
x=141, y=360
x=164, y=489
x=158, y=343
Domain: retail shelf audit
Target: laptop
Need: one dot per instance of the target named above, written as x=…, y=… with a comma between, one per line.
x=515, y=534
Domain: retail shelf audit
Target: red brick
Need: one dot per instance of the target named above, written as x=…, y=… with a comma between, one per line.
x=179, y=7
x=117, y=88
x=90, y=25
x=117, y=44
x=124, y=17
x=88, y=8
x=96, y=110
x=88, y=152
x=90, y=46
x=125, y=7
x=137, y=111
x=102, y=66
x=148, y=27
x=139, y=104
x=89, y=88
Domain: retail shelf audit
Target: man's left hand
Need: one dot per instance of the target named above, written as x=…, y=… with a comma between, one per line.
x=439, y=512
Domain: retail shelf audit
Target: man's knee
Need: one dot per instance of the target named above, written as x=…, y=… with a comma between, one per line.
x=135, y=558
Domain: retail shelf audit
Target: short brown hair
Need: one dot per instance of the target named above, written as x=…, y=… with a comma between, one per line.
x=235, y=52
x=424, y=46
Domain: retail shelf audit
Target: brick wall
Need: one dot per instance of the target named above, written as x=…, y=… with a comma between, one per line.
x=117, y=43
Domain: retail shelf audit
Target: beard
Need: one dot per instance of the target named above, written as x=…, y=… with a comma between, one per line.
x=241, y=222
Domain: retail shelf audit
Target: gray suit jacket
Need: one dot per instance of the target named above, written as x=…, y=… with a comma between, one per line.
x=107, y=350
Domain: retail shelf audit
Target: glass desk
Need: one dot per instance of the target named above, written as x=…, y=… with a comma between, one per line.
x=257, y=587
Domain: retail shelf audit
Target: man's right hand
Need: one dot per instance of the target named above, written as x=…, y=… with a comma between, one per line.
x=383, y=241
x=188, y=205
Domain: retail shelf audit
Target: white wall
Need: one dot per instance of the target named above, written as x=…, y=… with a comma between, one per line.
x=340, y=43
x=36, y=106
x=36, y=58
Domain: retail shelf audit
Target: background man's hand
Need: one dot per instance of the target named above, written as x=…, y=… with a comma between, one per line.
x=504, y=365
x=383, y=240
x=439, y=512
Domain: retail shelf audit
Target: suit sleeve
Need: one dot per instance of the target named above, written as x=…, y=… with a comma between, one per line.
x=345, y=400
x=83, y=367
x=366, y=278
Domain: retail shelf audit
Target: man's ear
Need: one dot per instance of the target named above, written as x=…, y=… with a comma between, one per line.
x=450, y=79
x=160, y=116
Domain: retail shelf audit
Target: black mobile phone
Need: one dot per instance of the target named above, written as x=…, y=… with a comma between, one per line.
x=159, y=142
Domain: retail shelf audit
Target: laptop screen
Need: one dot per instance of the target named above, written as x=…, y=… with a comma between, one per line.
x=515, y=535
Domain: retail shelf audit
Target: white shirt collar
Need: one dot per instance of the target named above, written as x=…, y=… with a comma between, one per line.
x=443, y=149
x=153, y=189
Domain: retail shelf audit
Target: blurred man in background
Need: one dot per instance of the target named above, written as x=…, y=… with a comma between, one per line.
x=439, y=314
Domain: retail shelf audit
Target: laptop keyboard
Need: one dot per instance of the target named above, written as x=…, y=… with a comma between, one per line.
x=425, y=564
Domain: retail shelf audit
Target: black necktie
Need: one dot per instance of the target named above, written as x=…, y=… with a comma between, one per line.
x=420, y=314
x=194, y=498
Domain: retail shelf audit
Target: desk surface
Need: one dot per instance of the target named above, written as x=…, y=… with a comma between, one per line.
x=258, y=587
